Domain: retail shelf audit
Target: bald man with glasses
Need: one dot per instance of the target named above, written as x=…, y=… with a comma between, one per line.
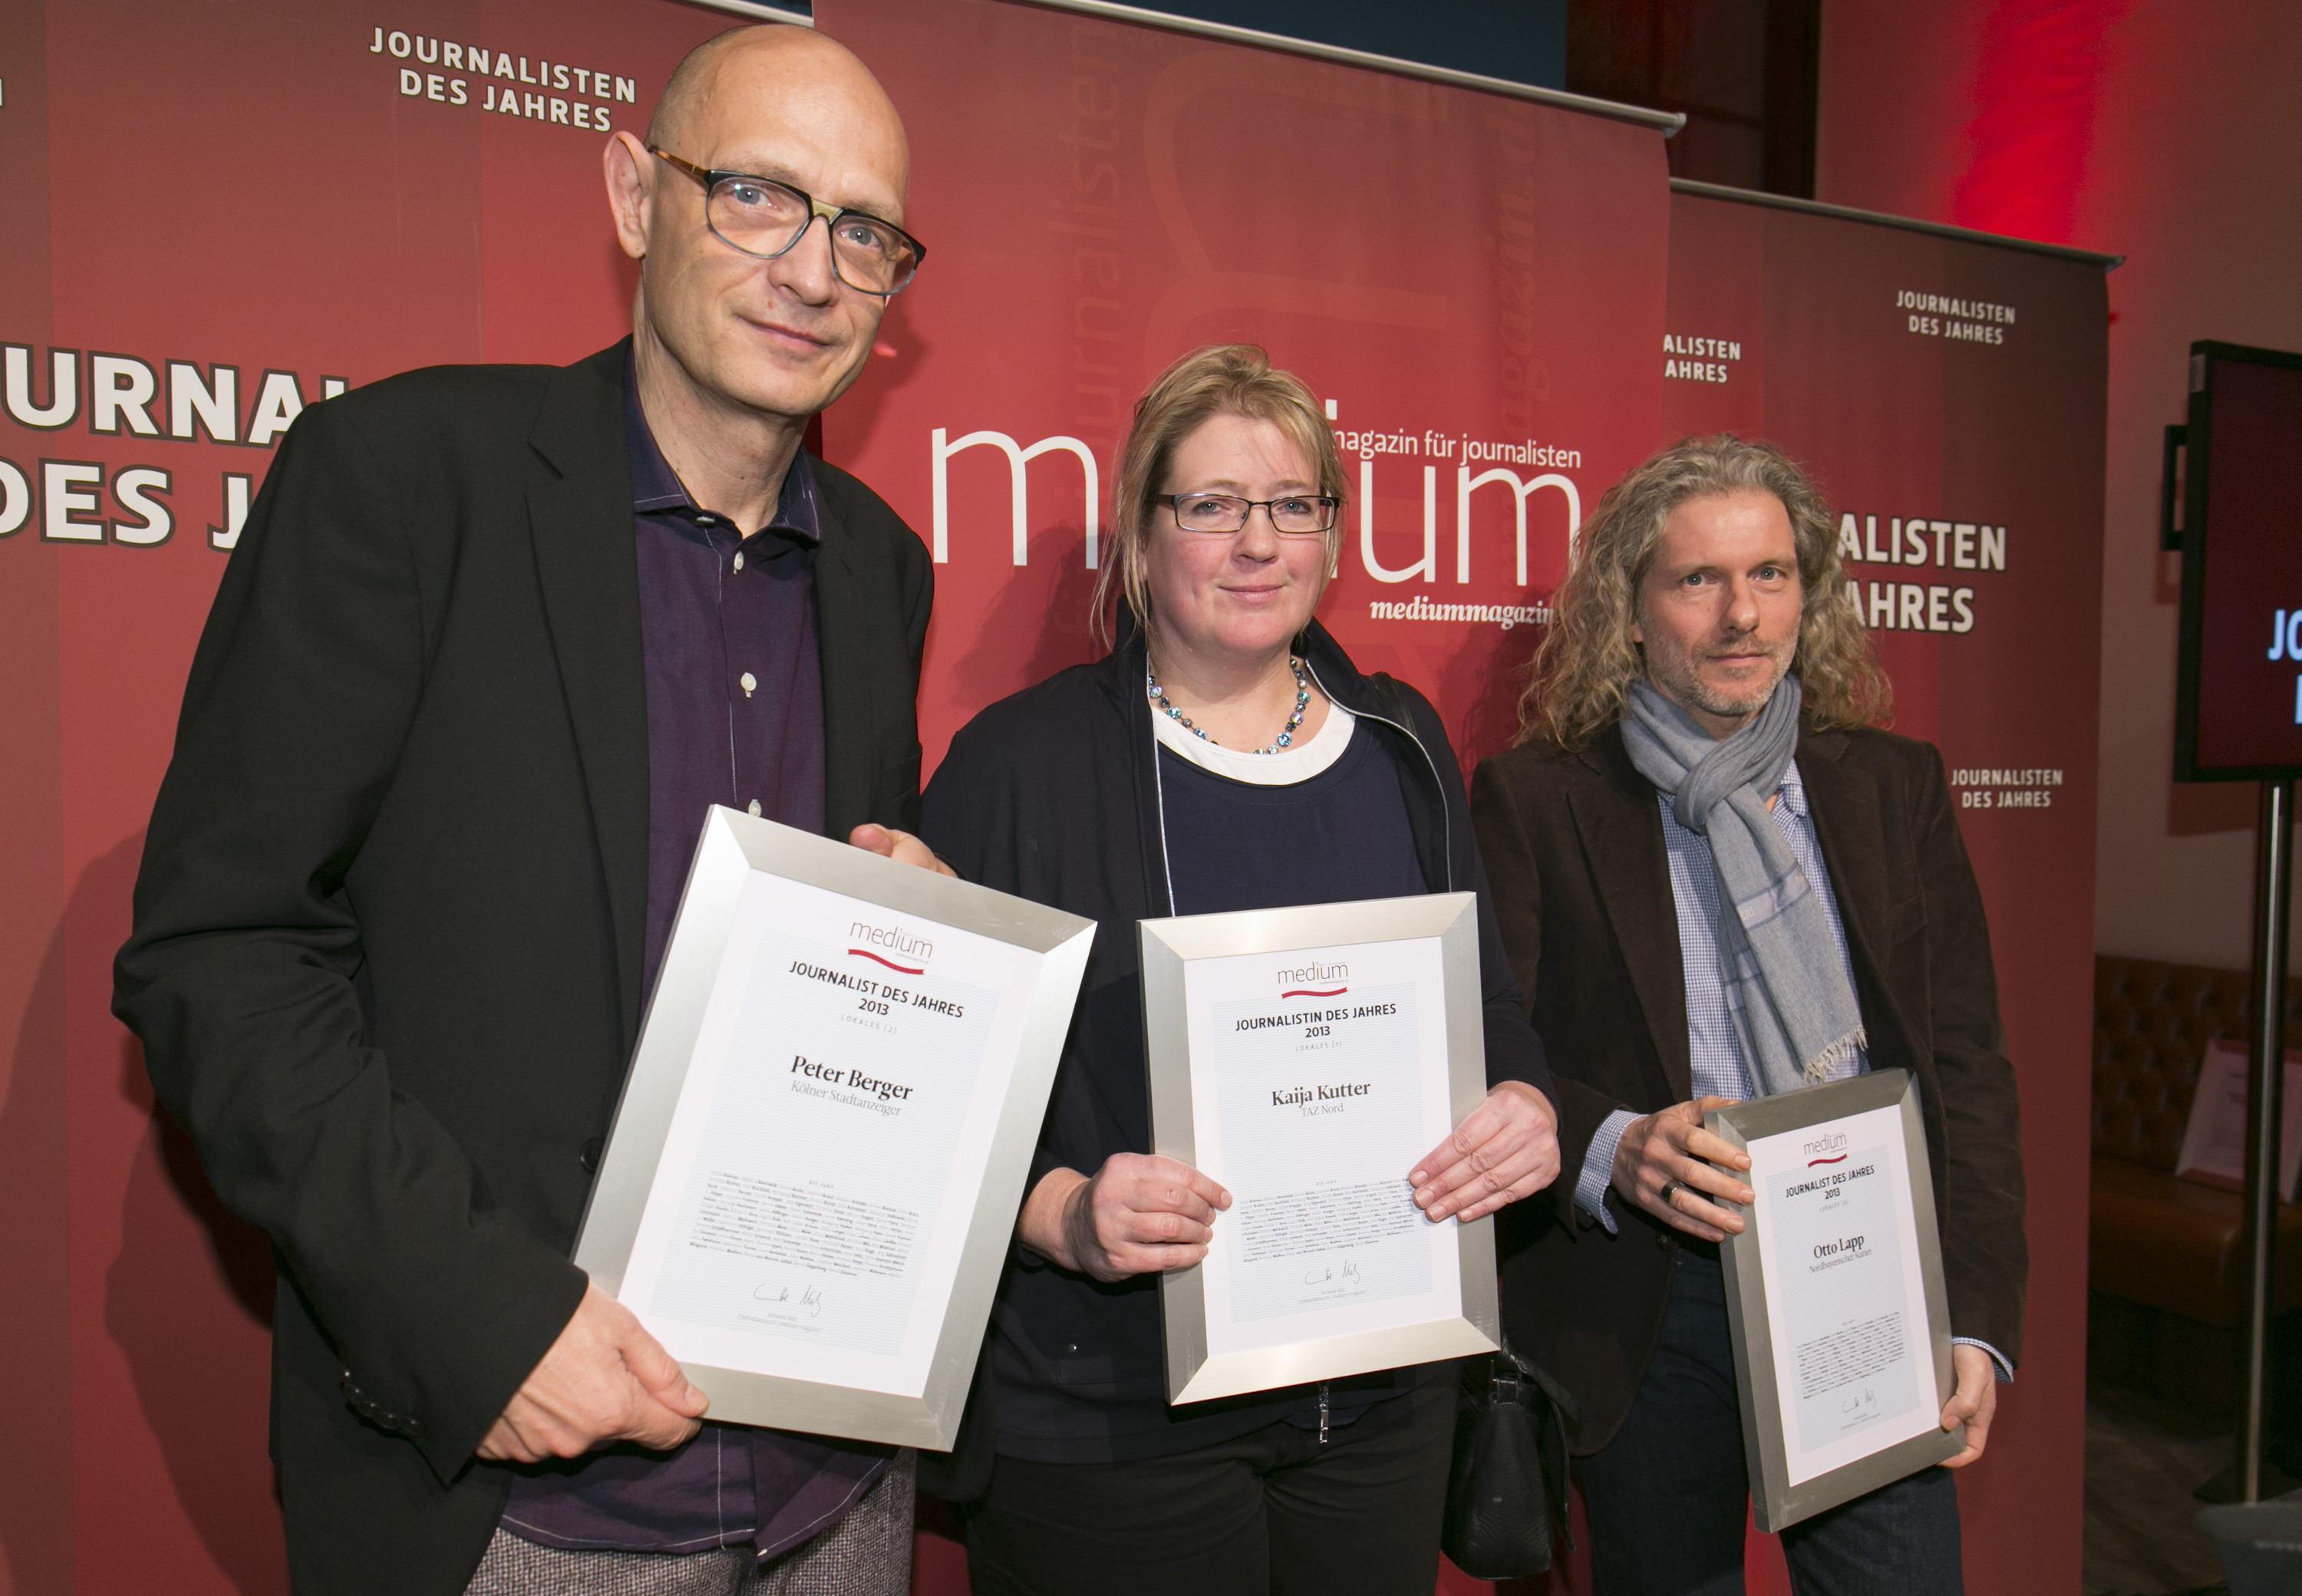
x=492, y=642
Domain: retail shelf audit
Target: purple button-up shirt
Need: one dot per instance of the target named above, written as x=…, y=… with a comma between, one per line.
x=735, y=678
x=734, y=712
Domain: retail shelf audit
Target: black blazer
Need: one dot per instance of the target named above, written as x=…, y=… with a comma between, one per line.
x=1574, y=843
x=1051, y=794
x=388, y=934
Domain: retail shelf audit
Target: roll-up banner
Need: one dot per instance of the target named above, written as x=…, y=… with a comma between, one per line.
x=1948, y=394
x=220, y=215
x=211, y=216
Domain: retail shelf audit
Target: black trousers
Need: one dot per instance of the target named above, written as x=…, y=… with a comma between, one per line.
x=1272, y=1512
x=1667, y=1496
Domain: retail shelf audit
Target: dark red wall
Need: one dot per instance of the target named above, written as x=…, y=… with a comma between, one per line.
x=2168, y=132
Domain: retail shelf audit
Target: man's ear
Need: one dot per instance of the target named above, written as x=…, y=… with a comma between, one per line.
x=625, y=165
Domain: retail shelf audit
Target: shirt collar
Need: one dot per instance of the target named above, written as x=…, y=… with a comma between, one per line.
x=1793, y=790
x=656, y=487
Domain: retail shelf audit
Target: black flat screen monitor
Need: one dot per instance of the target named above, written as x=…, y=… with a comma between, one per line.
x=2238, y=714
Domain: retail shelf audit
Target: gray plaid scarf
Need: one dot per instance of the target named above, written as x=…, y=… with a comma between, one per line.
x=1793, y=1009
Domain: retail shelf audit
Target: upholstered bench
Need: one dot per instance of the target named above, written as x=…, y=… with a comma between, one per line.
x=2164, y=1271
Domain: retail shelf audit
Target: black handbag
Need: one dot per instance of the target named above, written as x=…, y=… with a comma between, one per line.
x=1508, y=1485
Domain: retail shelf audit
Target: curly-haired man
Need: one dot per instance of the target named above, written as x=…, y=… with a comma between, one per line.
x=1698, y=733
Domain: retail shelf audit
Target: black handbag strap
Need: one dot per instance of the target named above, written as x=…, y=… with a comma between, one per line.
x=1541, y=1378
x=1553, y=1409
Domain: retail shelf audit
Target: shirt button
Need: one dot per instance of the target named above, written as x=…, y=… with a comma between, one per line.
x=739, y=559
x=707, y=521
x=747, y=681
x=755, y=806
x=588, y=1154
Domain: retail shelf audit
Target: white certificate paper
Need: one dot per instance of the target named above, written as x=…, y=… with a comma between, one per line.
x=835, y=1123
x=1318, y=1078
x=1847, y=1303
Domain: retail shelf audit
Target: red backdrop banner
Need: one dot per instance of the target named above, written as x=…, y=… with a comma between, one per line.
x=1949, y=396
x=217, y=213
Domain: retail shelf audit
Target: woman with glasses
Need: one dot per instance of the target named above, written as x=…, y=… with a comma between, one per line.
x=1225, y=755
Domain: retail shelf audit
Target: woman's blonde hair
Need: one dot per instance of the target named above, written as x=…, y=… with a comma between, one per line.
x=1583, y=670
x=1220, y=380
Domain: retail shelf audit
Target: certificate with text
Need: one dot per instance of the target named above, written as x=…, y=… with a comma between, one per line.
x=821, y=1148
x=1306, y=1058
x=1836, y=1295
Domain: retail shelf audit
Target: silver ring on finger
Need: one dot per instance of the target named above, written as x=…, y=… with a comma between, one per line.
x=1670, y=1190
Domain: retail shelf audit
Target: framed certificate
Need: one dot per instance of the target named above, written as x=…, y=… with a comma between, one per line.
x=815, y=1168
x=1306, y=1058
x=2214, y=1141
x=1835, y=1294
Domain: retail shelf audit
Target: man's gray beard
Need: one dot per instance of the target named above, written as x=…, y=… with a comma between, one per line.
x=1712, y=702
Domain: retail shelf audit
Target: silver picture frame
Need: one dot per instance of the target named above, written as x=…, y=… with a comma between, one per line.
x=1168, y=946
x=1775, y=1502
x=733, y=847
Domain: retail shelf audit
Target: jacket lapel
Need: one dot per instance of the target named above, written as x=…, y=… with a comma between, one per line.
x=1848, y=824
x=842, y=642
x=587, y=565
x=1620, y=826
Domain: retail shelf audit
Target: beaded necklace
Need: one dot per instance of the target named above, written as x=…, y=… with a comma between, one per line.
x=1158, y=697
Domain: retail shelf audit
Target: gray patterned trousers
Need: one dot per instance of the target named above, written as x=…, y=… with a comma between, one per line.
x=867, y=1553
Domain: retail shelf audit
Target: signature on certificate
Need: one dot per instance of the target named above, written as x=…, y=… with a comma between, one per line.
x=811, y=1297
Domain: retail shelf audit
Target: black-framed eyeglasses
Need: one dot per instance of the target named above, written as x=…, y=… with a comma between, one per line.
x=1299, y=514
x=765, y=218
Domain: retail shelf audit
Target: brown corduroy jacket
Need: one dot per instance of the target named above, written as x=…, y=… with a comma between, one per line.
x=1574, y=847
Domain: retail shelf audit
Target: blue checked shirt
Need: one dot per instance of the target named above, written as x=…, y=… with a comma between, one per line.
x=1714, y=1051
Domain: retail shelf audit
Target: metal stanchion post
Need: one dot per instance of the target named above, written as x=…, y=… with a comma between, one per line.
x=2273, y=871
